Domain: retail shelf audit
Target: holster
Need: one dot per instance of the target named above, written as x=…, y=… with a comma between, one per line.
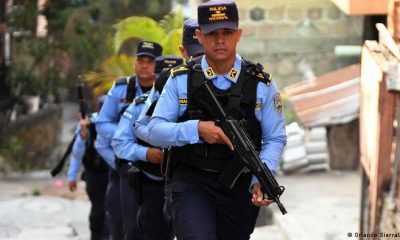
x=135, y=177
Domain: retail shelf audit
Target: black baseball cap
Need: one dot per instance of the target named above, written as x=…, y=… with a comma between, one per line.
x=165, y=62
x=189, y=39
x=149, y=49
x=217, y=14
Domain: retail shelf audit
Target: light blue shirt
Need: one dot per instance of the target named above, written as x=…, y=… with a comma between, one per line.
x=125, y=143
x=78, y=150
x=108, y=116
x=104, y=149
x=164, y=131
x=141, y=124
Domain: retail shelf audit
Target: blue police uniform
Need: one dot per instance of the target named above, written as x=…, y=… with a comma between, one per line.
x=110, y=114
x=126, y=147
x=114, y=214
x=106, y=126
x=220, y=213
x=96, y=181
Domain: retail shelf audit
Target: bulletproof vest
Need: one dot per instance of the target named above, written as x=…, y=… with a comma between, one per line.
x=239, y=102
x=154, y=169
x=130, y=93
x=91, y=159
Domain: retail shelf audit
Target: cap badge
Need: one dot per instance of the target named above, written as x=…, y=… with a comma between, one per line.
x=217, y=14
x=148, y=45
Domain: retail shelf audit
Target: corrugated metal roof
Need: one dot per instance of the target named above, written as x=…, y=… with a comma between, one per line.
x=330, y=99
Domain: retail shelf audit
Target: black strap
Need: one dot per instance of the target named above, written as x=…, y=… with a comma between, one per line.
x=131, y=89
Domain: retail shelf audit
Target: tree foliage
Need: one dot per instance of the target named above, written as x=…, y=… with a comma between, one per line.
x=167, y=32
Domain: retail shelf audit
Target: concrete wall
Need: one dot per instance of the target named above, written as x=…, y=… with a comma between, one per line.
x=37, y=136
x=286, y=36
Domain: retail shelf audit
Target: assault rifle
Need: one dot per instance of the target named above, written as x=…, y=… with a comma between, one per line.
x=243, y=147
x=82, y=109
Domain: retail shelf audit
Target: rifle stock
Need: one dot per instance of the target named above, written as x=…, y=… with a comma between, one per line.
x=245, y=149
x=81, y=99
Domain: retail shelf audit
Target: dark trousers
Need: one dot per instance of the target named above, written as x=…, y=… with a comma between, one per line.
x=151, y=219
x=203, y=209
x=114, y=216
x=96, y=186
x=129, y=204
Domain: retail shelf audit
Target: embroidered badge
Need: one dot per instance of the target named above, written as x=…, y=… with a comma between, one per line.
x=183, y=101
x=148, y=45
x=278, y=102
x=258, y=106
x=233, y=74
x=218, y=13
x=210, y=72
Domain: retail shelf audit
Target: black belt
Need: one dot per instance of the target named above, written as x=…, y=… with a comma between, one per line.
x=120, y=161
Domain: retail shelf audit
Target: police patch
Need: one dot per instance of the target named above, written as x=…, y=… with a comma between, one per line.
x=183, y=101
x=278, y=102
x=233, y=74
x=210, y=72
x=258, y=106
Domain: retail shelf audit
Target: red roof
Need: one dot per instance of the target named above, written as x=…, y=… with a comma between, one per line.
x=332, y=98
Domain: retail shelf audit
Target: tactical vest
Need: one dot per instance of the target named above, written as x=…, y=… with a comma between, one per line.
x=239, y=102
x=91, y=160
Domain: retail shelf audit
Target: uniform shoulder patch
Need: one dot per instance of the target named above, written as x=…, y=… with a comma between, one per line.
x=121, y=81
x=179, y=70
x=278, y=102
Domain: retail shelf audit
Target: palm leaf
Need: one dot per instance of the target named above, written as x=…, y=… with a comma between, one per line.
x=171, y=42
x=171, y=21
x=110, y=69
x=143, y=28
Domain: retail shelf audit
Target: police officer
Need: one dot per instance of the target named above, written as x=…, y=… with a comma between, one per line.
x=204, y=208
x=118, y=99
x=146, y=180
x=95, y=173
x=190, y=48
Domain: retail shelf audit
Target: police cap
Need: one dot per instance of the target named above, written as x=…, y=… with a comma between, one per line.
x=149, y=49
x=189, y=39
x=217, y=14
x=165, y=62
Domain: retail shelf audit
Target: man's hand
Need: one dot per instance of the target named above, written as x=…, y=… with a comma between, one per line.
x=154, y=155
x=258, y=196
x=84, y=122
x=72, y=185
x=213, y=134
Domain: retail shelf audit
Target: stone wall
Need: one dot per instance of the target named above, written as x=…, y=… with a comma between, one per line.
x=30, y=141
x=291, y=37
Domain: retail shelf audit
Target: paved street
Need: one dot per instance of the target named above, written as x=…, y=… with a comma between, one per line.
x=320, y=205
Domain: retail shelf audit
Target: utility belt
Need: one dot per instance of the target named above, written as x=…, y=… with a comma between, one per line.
x=153, y=169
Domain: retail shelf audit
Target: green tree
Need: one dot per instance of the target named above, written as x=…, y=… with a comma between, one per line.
x=109, y=70
x=167, y=32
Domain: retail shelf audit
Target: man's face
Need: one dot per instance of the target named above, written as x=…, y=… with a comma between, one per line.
x=220, y=45
x=144, y=68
